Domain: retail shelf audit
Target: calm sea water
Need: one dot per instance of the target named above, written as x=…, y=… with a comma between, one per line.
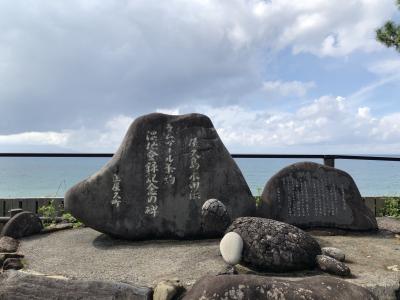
x=37, y=177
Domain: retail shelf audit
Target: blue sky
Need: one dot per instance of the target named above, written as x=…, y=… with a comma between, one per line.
x=274, y=76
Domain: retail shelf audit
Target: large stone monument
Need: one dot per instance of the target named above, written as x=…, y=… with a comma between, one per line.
x=313, y=195
x=158, y=180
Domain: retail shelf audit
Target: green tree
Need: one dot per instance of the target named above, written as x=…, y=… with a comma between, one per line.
x=389, y=34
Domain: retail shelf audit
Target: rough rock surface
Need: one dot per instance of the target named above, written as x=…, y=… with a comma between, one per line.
x=158, y=180
x=8, y=244
x=389, y=223
x=16, y=285
x=275, y=246
x=12, y=264
x=22, y=224
x=11, y=255
x=168, y=290
x=214, y=217
x=334, y=252
x=259, y=287
x=101, y=257
x=231, y=247
x=57, y=227
x=332, y=266
x=310, y=195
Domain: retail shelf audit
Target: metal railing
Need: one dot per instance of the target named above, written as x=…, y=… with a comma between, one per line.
x=329, y=159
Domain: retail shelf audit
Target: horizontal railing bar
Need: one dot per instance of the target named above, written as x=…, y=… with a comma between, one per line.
x=56, y=154
x=241, y=155
x=320, y=156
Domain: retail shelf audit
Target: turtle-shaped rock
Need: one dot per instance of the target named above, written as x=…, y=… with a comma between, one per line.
x=270, y=245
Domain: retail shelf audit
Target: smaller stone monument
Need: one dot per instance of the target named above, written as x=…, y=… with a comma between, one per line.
x=311, y=195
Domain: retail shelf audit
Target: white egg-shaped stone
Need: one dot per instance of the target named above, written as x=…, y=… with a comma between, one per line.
x=231, y=247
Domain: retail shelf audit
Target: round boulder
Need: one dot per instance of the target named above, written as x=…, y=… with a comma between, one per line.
x=271, y=245
x=334, y=252
x=332, y=266
x=214, y=217
x=22, y=224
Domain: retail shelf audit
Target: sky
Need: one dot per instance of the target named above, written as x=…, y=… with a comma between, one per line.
x=276, y=76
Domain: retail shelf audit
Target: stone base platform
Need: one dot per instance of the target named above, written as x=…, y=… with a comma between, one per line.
x=88, y=254
x=374, y=259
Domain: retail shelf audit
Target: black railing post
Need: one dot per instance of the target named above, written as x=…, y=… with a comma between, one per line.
x=329, y=160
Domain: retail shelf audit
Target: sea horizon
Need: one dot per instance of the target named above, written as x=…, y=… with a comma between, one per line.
x=24, y=177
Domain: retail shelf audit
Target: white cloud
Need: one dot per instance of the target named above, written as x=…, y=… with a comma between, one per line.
x=95, y=59
x=388, y=128
x=288, y=88
x=366, y=91
x=328, y=124
x=364, y=112
x=72, y=73
x=327, y=28
x=385, y=67
x=35, y=138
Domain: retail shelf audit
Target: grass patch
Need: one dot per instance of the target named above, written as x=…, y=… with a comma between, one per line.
x=391, y=207
x=49, y=211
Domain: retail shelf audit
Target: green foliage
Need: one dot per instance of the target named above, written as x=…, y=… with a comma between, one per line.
x=389, y=33
x=48, y=211
x=67, y=217
x=258, y=197
x=391, y=207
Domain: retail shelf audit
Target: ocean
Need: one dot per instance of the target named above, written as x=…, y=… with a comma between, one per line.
x=51, y=177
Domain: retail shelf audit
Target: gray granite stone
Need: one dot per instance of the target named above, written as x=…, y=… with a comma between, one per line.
x=311, y=195
x=57, y=227
x=262, y=287
x=214, y=217
x=391, y=224
x=16, y=285
x=22, y=224
x=168, y=290
x=270, y=245
x=332, y=266
x=158, y=180
x=334, y=252
x=8, y=244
